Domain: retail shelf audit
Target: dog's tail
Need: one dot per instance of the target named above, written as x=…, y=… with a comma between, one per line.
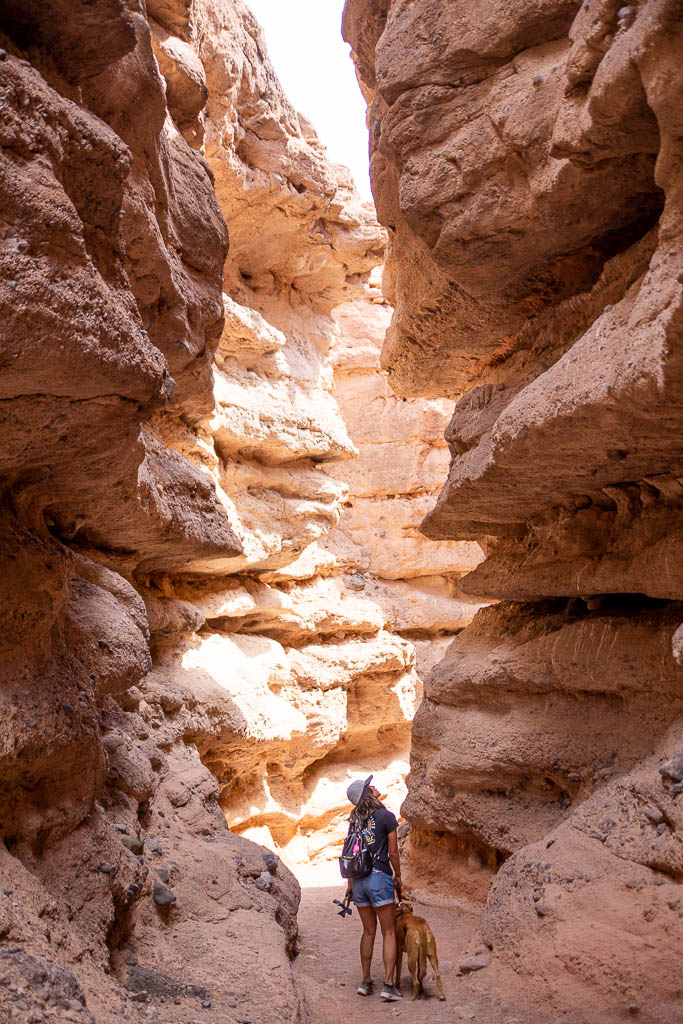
x=421, y=957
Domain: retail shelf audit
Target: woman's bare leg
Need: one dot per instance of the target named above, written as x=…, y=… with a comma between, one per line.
x=387, y=922
x=369, y=921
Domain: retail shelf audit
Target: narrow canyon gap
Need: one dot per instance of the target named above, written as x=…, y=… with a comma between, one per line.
x=218, y=601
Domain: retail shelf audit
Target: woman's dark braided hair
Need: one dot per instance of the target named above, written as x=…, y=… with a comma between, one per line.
x=368, y=803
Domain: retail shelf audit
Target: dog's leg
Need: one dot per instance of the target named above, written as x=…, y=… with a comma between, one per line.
x=399, y=961
x=434, y=960
x=414, y=968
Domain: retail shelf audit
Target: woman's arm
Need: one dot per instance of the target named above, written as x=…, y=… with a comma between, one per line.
x=394, y=856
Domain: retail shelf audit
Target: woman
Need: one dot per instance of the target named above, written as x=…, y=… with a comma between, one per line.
x=374, y=894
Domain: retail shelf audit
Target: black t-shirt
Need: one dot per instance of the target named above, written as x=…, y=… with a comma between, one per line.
x=376, y=833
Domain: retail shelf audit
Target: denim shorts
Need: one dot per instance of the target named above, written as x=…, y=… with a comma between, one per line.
x=375, y=890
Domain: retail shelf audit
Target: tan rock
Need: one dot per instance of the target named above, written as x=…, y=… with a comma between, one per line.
x=115, y=249
x=422, y=606
x=626, y=543
x=277, y=420
x=428, y=653
x=277, y=511
x=384, y=534
x=526, y=166
x=291, y=615
x=636, y=370
x=362, y=328
x=393, y=468
x=277, y=712
x=326, y=665
x=256, y=142
x=438, y=162
x=182, y=645
x=375, y=414
x=183, y=71
x=312, y=560
x=577, y=866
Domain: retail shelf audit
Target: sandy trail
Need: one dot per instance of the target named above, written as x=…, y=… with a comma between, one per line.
x=328, y=966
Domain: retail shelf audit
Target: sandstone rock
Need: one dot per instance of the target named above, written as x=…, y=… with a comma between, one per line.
x=383, y=534
x=426, y=605
x=181, y=426
x=115, y=248
x=292, y=615
x=276, y=419
x=183, y=71
x=313, y=689
x=169, y=617
x=488, y=129
x=412, y=180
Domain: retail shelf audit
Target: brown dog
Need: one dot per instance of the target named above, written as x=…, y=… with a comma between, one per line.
x=414, y=937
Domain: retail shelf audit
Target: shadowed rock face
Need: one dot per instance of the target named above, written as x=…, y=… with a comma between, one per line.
x=526, y=163
x=119, y=450
x=207, y=613
x=113, y=250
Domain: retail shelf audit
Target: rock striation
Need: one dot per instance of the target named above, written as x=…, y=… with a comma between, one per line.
x=303, y=666
x=208, y=612
x=526, y=164
x=113, y=252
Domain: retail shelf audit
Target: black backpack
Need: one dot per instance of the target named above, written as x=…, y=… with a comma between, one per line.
x=356, y=859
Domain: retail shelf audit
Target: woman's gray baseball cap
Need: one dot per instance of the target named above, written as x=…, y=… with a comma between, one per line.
x=357, y=788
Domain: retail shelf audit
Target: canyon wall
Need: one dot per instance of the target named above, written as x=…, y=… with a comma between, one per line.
x=345, y=631
x=526, y=162
x=216, y=601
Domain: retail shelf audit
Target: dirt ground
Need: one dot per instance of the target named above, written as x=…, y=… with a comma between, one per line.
x=328, y=966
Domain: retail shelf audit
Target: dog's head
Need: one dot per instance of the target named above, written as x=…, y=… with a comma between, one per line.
x=403, y=907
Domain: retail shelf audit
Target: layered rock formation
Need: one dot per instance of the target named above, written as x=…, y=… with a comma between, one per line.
x=526, y=163
x=116, y=863
x=207, y=611
x=321, y=654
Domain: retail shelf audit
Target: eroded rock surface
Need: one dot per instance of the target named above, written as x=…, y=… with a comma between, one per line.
x=526, y=163
x=303, y=667
x=207, y=612
x=113, y=251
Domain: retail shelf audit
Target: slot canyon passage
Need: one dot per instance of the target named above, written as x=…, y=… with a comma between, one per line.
x=294, y=490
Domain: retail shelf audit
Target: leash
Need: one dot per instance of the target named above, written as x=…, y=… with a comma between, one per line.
x=399, y=904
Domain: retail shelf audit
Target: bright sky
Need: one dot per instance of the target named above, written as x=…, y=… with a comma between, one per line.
x=313, y=64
